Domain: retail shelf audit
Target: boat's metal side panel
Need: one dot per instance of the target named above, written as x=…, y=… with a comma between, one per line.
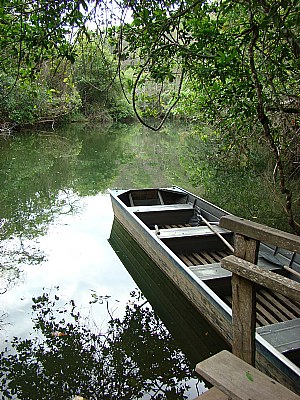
x=210, y=209
x=276, y=365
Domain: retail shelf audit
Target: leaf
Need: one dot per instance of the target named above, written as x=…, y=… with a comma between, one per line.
x=249, y=376
x=59, y=334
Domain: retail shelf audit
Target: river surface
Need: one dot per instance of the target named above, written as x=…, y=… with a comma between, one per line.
x=73, y=321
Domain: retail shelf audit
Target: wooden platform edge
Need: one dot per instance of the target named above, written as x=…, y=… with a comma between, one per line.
x=212, y=394
x=239, y=380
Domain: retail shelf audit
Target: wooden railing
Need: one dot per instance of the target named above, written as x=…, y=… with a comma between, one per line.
x=246, y=275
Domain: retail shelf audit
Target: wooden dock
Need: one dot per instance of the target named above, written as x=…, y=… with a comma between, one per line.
x=235, y=379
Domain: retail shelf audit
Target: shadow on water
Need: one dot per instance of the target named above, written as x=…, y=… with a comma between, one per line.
x=196, y=337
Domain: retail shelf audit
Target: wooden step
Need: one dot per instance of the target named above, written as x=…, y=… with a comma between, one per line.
x=212, y=394
x=239, y=380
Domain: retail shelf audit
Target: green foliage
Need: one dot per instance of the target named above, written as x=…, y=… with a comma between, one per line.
x=94, y=73
x=241, y=67
x=33, y=101
x=68, y=355
x=210, y=42
x=38, y=43
x=31, y=32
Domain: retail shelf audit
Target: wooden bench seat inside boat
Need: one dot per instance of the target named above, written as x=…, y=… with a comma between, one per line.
x=210, y=271
x=164, y=214
x=159, y=208
x=194, y=238
x=180, y=232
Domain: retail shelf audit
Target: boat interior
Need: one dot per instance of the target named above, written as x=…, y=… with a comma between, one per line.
x=180, y=220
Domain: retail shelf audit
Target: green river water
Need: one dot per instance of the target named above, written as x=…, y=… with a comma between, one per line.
x=73, y=321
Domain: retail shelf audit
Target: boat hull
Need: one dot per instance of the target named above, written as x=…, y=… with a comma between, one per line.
x=203, y=299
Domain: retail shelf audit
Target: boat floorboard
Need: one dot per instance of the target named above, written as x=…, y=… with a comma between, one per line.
x=272, y=308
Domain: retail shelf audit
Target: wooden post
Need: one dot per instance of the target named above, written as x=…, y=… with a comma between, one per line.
x=243, y=303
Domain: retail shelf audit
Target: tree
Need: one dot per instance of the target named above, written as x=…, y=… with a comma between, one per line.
x=35, y=39
x=94, y=72
x=33, y=31
x=241, y=60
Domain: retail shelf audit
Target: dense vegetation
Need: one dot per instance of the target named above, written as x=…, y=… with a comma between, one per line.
x=232, y=65
x=40, y=80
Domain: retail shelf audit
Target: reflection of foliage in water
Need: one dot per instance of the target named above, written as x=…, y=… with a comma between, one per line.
x=34, y=177
x=43, y=175
x=69, y=356
x=32, y=169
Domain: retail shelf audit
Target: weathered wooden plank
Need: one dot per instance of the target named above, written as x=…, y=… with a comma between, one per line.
x=243, y=318
x=260, y=318
x=201, y=259
x=243, y=303
x=246, y=248
x=239, y=380
x=212, y=394
x=208, y=256
x=277, y=304
x=266, y=314
x=185, y=260
x=294, y=307
x=223, y=253
x=218, y=256
x=160, y=207
x=268, y=304
x=189, y=231
x=193, y=260
x=270, y=280
x=261, y=233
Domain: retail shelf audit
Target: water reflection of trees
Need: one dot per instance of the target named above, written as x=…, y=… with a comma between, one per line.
x=42, y=177
x=68, y=355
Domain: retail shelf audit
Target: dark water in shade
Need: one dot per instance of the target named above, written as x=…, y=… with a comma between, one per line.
x=71, y=317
